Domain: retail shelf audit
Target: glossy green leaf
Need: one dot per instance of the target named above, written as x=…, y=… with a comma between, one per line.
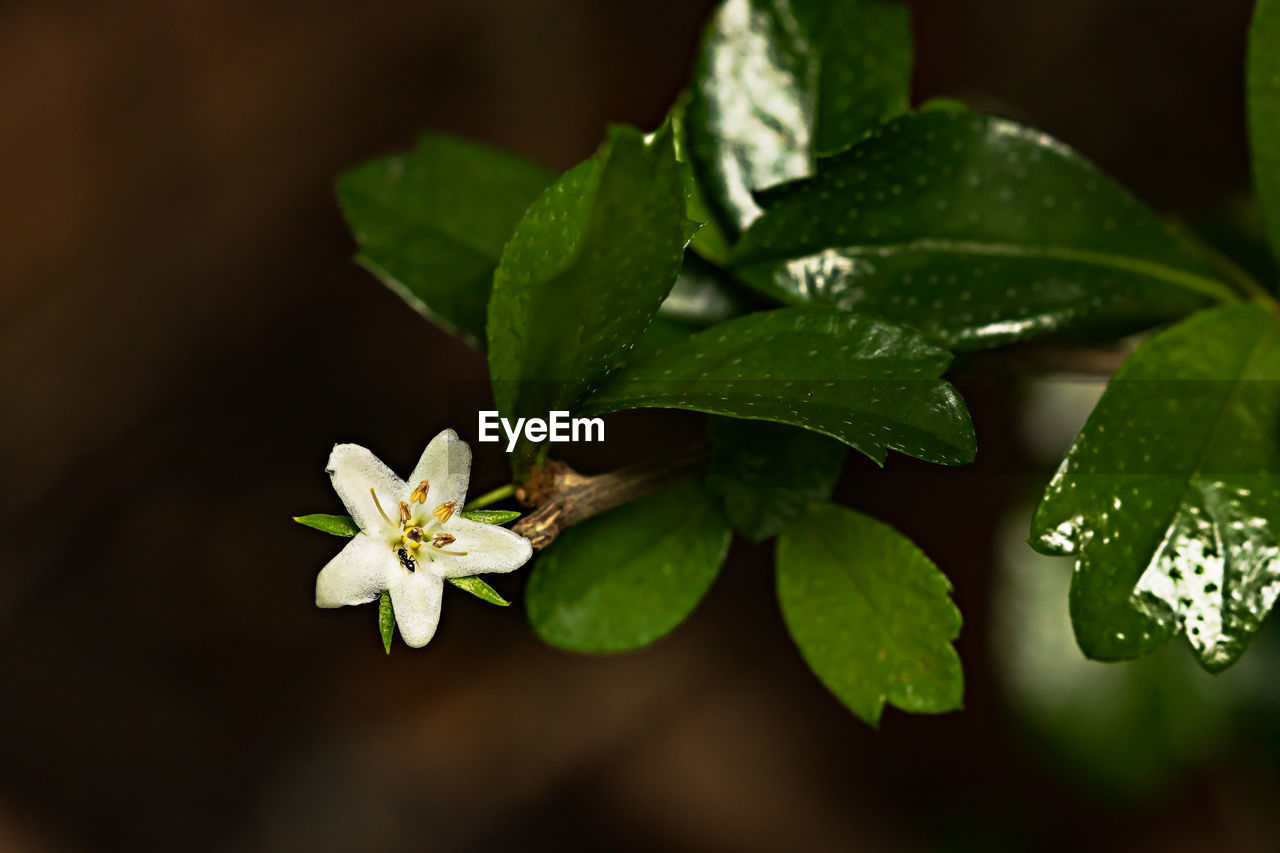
x=976, y=230
x=431, y=223
x=870, y=612
x=337, y=525
x=627, y=578
x=766, y=474
x=1124, y=732
x=710, y=242
x=1264, y=111
x=780, y=82
x=1170, y=496
x=490, y=516
x=662, y=333
x=872, y=384
x=386, y=620
x=480, y=590
x=585, y=272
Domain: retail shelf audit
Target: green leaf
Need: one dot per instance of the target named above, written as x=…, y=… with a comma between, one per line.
x=337, y=525
x=766, y=474
x=779, y=82
x=872, y=384
x=945, y=104
x=975, y=230
x=870, y=613
x=662, y=333
x=1264, y=111
x=490, y=516
x=627, y=578
x=1170, y=496
x=480, y=590
x=710, y=242
x=386, y=620
x=585, y=272
x=431, y=223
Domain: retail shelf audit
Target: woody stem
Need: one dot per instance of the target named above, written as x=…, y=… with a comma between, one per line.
x=564, y=497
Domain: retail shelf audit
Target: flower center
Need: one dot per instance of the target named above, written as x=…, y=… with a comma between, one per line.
x=414, y=538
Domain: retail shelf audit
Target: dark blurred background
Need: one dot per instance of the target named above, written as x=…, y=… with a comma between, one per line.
x=183, y=337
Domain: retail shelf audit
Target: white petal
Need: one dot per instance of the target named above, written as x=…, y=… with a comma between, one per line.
x=446, y=465
x=354, y=471
x=360, y=571
x=489, y=548
x=415, y=598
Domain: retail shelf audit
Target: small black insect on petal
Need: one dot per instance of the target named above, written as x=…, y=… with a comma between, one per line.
x=406, y=559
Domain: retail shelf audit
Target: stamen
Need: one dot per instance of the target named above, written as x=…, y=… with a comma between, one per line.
x=442, y=539
x=451, y=553
x=379, y=506
x=419, y=495
x=414, y=533
x=445, y=511
x=404, y=513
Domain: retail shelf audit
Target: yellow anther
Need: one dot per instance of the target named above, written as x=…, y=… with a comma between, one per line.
x=404, y=513
x=413, y=545
x=444, y=512
x=419, y=495
x=442, y=539
x=379, y=506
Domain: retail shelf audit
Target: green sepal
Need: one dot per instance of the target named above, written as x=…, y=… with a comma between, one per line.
x=490, y=516
x=386, y=620
x=335, y=525
x=480, y=590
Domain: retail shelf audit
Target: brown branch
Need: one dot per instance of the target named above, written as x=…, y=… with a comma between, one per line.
x=564, y=497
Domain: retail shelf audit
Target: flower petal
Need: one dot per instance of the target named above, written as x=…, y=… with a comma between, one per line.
x=446, y=465
x=354, y=471
x=415, y=598
x=489, y=548
x=361, y=570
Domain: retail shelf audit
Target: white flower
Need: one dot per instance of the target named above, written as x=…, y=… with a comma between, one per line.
x=411, y=537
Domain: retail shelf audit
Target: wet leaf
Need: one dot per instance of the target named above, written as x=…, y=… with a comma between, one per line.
x=585, y=272
x=490, y=516
x=977, y=231
x=627, y=578
x=337, y=525
x=872, y=384
x=662, y=333
x=1124, y=732
x=780, y=82
x=766, y=474
x=710, y=242
x=870, y=612
x=431, y=223
x=1264, y=111
x=386, y=620
x=480, y=590
x=1170, y=496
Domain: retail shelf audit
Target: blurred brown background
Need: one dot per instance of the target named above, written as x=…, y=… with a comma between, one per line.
x=182, y=337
